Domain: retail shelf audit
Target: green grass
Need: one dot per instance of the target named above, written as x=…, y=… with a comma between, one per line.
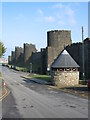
x=21, y=69
x=41, y=77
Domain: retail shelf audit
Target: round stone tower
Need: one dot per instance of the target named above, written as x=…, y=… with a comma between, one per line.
x=58, y=38
x=56, y=41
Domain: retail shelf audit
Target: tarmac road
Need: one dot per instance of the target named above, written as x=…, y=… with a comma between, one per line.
x=31, y=100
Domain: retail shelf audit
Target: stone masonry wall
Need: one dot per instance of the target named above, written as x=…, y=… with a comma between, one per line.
x=9, y=59
x=43, y=61
x=58, y=38
x=51, y=55
x=87, y=57
x=28, y=49
x=36, y=62
x=13, y=57
x=75, y=50
x=18, y=52
x=65, y=78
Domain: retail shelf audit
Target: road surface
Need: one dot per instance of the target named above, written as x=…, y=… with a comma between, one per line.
x=31, y=100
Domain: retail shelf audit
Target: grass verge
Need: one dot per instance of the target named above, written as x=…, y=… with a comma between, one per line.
x=41, y=77
x=18, y=68
x=21, y=69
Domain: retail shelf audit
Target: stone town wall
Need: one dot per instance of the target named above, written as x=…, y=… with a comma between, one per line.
x=28, y=49
x=9, y=59
x=43, y=60
x=56, y=41
x=51, y=55
x=87, y=57
x=18, y=52
x=75, y=50
x=13, y=57
x=20, y=61
x=36, y=62
x=65, y=78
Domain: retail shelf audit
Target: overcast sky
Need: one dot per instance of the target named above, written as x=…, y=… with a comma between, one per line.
x=29, y=22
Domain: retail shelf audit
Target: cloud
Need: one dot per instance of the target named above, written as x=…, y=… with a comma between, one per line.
x=49, y=19
x=40, y=12
x=42, y=17
x=65, y=15
x=62, y=14
x=69, y=11
x=71, y=16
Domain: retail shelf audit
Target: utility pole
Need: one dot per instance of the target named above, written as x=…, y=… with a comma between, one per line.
x=83, y=53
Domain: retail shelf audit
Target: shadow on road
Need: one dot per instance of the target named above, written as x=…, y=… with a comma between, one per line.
x=77, y=88
x=34, y=80
x=9, y=109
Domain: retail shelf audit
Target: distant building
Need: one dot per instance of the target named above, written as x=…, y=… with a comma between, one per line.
x=3, y=60
x=64, y=70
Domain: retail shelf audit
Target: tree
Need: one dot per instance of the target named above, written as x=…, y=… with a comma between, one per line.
x=2, y=49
